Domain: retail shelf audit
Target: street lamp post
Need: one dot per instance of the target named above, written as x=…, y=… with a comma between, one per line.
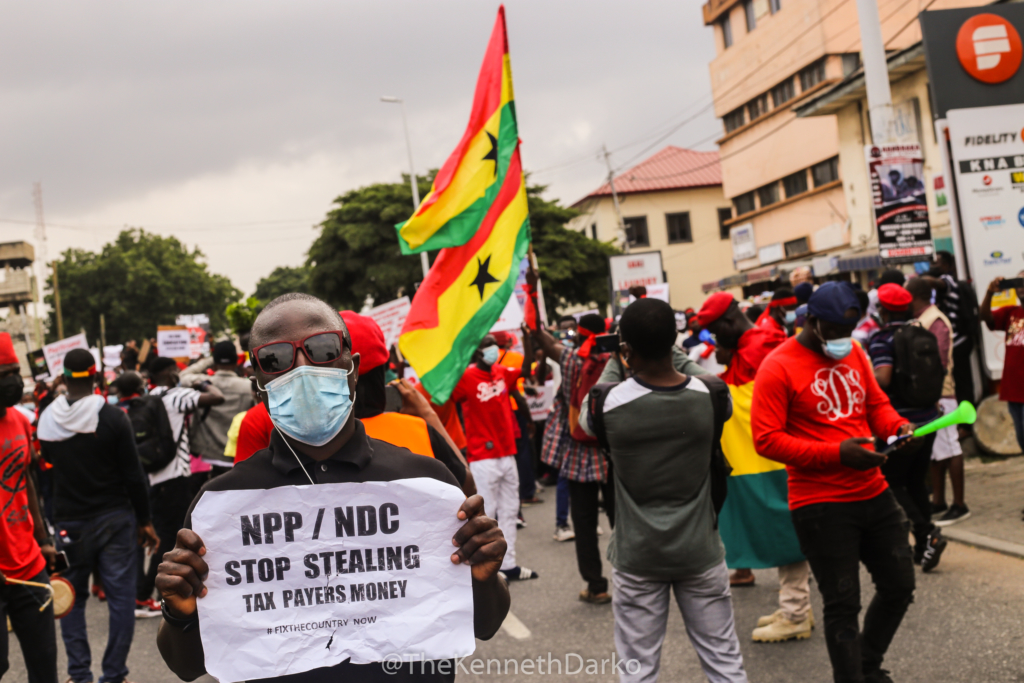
x=424, y=261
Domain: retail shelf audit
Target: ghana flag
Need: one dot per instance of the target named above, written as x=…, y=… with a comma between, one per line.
x=755, y=522
x=469, y=182
x=466, y=290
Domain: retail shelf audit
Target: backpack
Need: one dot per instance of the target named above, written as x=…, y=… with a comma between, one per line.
x=587, y=377
x=917, y=372
x=154, y=437
x=719, y=470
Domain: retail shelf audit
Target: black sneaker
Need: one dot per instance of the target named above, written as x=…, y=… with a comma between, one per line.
x=955, y=513
x=878, y=676
x=933, y=550
x=937, y=509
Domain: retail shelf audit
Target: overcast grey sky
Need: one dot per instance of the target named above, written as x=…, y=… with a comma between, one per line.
x=233, y=125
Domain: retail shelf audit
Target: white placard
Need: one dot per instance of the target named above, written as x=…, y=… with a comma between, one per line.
x=278, y=604
x=511, y=317
x=659, y=292
x=112, y=355
x=54, y=353
x=174, y=343
x=192, y=320
x=540, y=404
x=988, y=160
x=391, y=316
x=743, y=245
x=630, y=270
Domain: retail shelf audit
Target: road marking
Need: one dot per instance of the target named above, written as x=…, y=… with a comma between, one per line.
x=515, y=628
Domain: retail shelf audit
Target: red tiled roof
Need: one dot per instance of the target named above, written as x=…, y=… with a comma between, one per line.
x=672, y=168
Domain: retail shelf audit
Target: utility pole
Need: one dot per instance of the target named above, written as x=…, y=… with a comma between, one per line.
x=876, y=73
x=40, y=235
x=56, y=303
x=424, y=261
x=615, y=199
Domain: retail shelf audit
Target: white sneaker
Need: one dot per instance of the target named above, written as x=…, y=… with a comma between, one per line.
x=563, y=534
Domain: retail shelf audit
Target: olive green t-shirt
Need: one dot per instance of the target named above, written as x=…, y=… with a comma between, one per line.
x=660, y=440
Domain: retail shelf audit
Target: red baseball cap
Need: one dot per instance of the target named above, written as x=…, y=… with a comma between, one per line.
x=7, y=354
x=367, y=340
x=713, y=309
x=894, y=297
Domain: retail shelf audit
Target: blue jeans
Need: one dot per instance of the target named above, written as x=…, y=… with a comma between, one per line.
x=105, y=543
x=1017, y=413
x=562, y=502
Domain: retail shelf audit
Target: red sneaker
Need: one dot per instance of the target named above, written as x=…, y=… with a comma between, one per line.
x=99, y=593
x=145, y=609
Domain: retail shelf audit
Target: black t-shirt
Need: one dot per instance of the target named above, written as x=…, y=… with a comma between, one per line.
x=362, y=459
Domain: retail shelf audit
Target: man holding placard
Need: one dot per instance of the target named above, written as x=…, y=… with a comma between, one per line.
x=306, y=375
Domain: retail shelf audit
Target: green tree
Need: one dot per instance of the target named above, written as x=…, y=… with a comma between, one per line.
x=284, y=279
x=138, y=281
x=573, y=268
x=357, y=250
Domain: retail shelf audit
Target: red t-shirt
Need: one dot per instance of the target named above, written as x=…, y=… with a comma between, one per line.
x=20, y=557
x=254, y=432
x=1010, y=319
x=486, y=412
x=804, y=405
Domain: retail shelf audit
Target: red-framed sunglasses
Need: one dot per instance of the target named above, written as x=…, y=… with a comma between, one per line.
x=320, y=349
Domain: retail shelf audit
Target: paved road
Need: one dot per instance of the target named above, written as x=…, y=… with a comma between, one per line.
x=965, y=625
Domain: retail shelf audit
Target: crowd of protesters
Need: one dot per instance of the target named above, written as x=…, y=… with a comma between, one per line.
x=736, y=435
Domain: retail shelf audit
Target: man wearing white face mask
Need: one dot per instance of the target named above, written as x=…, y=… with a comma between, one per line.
x=491, y=442
x=307, y=376
x=816, y=404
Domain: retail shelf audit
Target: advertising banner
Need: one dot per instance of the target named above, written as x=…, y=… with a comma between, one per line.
x=988, y=162
x=900, y=207
x=303, y=577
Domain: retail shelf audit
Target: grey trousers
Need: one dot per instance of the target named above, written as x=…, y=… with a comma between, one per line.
x=640, y=605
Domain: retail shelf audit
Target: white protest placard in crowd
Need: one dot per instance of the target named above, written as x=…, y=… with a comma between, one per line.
x=303, y=577
x=659, y=291
x=511, y=317
x=112, y=355
x=54, y=353
x=173, y=341
x=391, y=316
x=540, y=404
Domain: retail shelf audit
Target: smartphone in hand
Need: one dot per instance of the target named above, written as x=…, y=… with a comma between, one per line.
x=1012, y=283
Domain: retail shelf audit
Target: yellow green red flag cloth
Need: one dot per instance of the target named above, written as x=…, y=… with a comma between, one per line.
x=470, y=180
x=755, y=522
x=466, y=290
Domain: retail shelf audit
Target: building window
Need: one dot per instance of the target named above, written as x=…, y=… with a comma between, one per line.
x=757, y=106
x=782, y=93
x=636, y=231
x=768, y=195
x=593, y=231
x=812, y=75
x=726, y=31
x=851, y=62
x=748, y=11
x=775, y=5
x=825, y=172
x=678, y=227
x=744, y=203
x=797, y=247
x=724, y=216
x=734, y=120
x=795, y=184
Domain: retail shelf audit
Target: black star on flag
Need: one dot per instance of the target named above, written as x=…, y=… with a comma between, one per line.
x=483, y=277
x=493, y=154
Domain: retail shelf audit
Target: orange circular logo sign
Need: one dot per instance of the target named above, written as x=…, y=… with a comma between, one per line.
x=989, y=48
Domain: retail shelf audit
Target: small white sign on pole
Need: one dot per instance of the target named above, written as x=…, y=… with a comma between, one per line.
x=174, y=343
x=303, y=577
x=391, y=316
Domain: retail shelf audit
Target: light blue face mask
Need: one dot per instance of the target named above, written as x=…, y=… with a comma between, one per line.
x=310, y=404
x=790, y=317
x=490, y=355
x=837, y=349
x=112, y=399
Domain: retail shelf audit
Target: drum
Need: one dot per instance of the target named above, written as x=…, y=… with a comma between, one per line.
x=994, y=428
x=63, y=596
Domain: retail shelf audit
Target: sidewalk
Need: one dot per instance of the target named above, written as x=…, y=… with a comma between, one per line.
x=995, y=496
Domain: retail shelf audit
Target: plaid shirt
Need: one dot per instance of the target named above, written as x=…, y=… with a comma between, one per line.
x=574, y=460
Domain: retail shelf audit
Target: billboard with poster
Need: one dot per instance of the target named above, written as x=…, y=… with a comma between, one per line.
x=896, y=172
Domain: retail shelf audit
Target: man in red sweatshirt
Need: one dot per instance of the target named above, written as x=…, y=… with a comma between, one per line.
x=816, y=404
